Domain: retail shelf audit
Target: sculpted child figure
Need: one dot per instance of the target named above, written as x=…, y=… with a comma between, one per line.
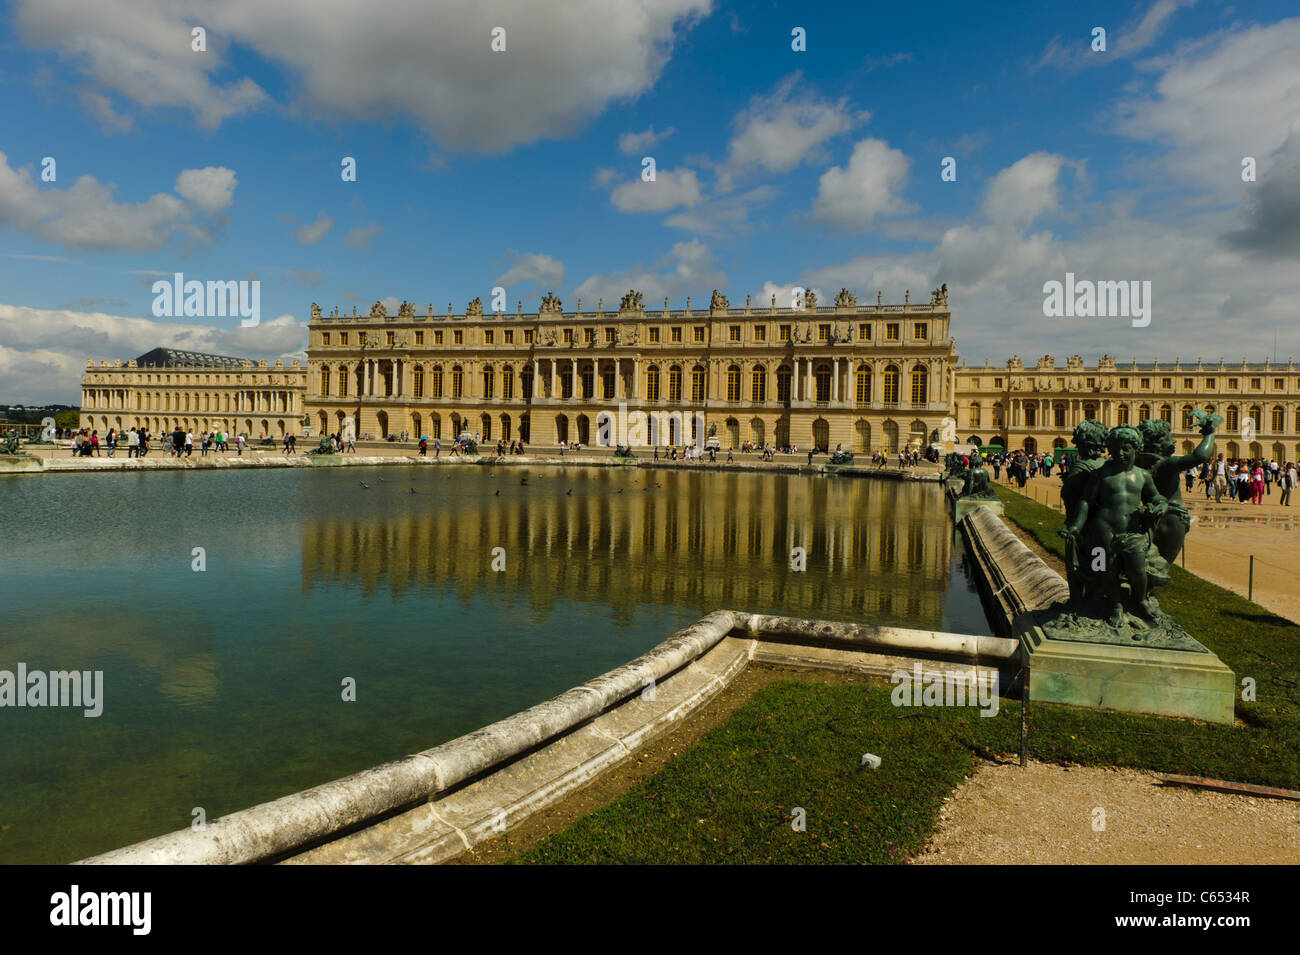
x=1090, y=440
x=1115, y=516
x=1167, y=472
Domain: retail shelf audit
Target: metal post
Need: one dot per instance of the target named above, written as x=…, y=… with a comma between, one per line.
x=1250, y=587
x=1024, y=715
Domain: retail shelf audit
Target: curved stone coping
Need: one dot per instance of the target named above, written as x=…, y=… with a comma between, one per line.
x=275, y=828
x=861, y=636
x=1013, y=576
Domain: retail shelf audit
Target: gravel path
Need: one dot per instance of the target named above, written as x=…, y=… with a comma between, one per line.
x=1044, y=813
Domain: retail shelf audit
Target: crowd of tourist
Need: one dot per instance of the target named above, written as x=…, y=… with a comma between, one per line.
x=1244, y=481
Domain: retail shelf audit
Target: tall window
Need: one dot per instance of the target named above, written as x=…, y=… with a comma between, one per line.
x=435, y=382
x=1232, y=421
x=891, y=385
x=697, y=383
x=1144, y=413
x=1058, y=415
x=675, y=382
x=973, y=416
x=1257, y=417
x=822, y=382
x=1167, y=413
x=507, y=383
x=607, y=382
x=588, y=382
x=417, y=381
x=758, y=389
x=652, y=383
x=733, y=383
x=343, y=382
x=783, y=376
x=1121, y=415
x=1187, y=418
x=488, y=380
x=864, y=385
x=1278, y=421
x=325, y=382
x=457, y=380
x=920, y=385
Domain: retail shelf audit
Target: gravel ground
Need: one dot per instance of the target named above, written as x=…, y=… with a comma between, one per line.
x=1044, y=813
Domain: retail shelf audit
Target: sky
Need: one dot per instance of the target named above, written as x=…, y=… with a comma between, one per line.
x=792, y=144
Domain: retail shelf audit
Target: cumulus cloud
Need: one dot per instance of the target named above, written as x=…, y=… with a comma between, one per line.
x=850, y=197
x=1272, y=210
x=633, y=143
x=363, y=235
x=564, y=62
x=782, y=129
x=1025, y=190
x=86, y=216
x=533, y=267
x=669, y=190
x=688, y=269
x=43, y=352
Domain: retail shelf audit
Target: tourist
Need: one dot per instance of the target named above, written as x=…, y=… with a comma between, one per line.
x=1243, y=484
x=1290, y=477
x=293, y=444
x=352, y=443
x=189, y=443
x=1220, y=479
x=1257, y=484
x=132, y=443
x=112, y=441
x=437, y=446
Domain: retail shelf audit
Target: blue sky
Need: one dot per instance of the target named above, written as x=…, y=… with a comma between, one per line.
x=521, y=168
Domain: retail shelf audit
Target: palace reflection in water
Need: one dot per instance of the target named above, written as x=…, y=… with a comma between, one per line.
x=875, y=550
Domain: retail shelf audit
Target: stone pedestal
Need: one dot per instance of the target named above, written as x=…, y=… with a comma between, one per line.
x=1131, y=678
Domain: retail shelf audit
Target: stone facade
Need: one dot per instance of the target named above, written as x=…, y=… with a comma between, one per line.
x=864, y=377
x=1038, y=407
x=166, y=387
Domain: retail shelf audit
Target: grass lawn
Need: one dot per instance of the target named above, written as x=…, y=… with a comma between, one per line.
x=732, y=797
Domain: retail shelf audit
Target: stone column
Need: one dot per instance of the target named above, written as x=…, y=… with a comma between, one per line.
x=808, y=393
x=574, y=361
x=835, y=381
x=636, y=379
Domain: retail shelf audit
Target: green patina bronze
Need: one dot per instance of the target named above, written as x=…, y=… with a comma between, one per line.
x=1124, y=528
x=326, y=446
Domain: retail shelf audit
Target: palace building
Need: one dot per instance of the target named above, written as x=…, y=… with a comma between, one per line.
x=1038, y=408
x=861, y=376
x=165, y=388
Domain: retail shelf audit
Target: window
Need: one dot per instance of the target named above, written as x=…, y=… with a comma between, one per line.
x=675, y=383
x=675, y=334
x=325, y=338
x=566, y=383
x=487, y=336
x=891, y=385
x=1144, y=413
x=1209, y=382
x=1167, y=414
x=758, y=391
x=458, y=337
x=973, y=416
x=528, y=336
x=863, y=384
x=822, y=383
x=1031, y=416
x=1232, y=384
x=589, y=336
x=1254, y=384
x=435, y=382
x=1278, y=420
x=417, y=382
x=760, y=333
x=652, y=382
x=588, y=377
x=1187, y=384
x=607, y=383
x=325, y=382
x=419, y=338
x=1092, y=383
x=733, y=333
x=699, y=333
x=920, y=331
x=997, y=415
x=733, y=383
x=568, y=336
x=1256, y=417
x=783, y=379
x=343, y=382
x=1231, y=419
x=609, y=336
x=864, y=331
x=1187, y=417
x=1167, y=384
x=343, y=338
x=361, y=338
x=1145, y=384
x=457, y=381
x=1123, y=383
x=1121, y=414
x=783, y=333
x=920, y=381
x=507, y=383
x=1278, y=384
x=437, y=337
x=891, y=331
x=509, y=334
x=1058, y=415
x=654, y=336
x=823, y=333
x=488, y=380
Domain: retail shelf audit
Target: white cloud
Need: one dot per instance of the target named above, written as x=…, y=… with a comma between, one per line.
x=362, y=236
x=533, y=267
x=86, y=216
x=669, y=190
x=785, y=295
x=1025, y=190
x=211, y=188
x=782, y=129
x=43, y=352
x=1126, y=41
x=564, y=62
x=687, y=269
x=311, y=233
x=849, y=198
x=633, y=143
x=721, y=217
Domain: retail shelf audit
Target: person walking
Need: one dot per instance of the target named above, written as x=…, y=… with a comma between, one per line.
x=132, y=443
x=189, y=444
x=1284, y=484
x=1220, y=479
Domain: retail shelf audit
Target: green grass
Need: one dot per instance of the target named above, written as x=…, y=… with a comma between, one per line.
x=730, y=797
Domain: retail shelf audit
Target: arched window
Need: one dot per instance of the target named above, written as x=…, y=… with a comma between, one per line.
x=343, y=388
x=675, y=383
x=1121, y=415
x=861, y=435
x=1187, y=418
x=507, y=384
x=417, y=382
x=997, y=414
x=435, y=382
x=862, y=386
x=733, y=383
x=973, y=415
x=1257, y=417
x=489, y=381
x=1167, y=414
x=652, y=383
x=325, y=381
x=457, y=381
x=891, y=385
x=697, y=384
x=1232, y=420
x=1278, y=420
x=1144, y=413
x=758, y=389
x=920, y=383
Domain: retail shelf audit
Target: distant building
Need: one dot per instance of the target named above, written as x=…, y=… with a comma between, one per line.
x=861, y=376
x=167, y=387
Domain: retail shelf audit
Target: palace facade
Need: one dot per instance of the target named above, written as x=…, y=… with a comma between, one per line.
x=861, y=376
x=1037, y=408
x=166, y=387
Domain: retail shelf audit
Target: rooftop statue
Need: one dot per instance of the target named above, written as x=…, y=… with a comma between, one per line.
x=378, y=311
x=632, y=302
x=475, y=308
x=719, y=302
x=809, y=299
x=550, y=304
x=845, y=298
x=939, y=296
